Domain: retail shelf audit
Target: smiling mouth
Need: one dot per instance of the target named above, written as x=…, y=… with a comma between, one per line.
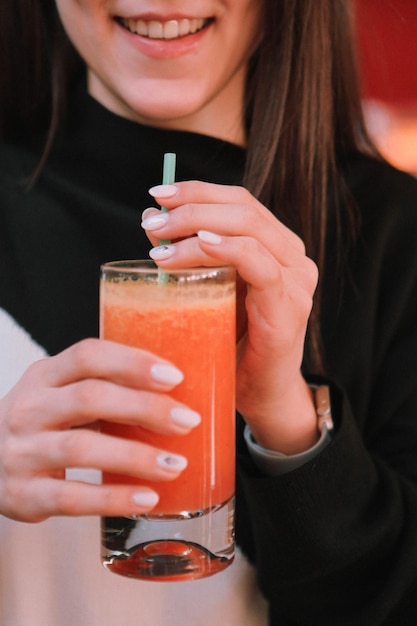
x=171, y=29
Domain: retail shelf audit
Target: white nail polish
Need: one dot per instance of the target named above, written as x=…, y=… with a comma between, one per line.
x=146, y=498
x=166, y=374
x=150, y=209
x=209, y=237
x=163, y=191
x=160, y=253
x=171, y=462
x=185, y=417
x=155, y=221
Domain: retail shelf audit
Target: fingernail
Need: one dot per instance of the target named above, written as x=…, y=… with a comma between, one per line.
x=171, y=462
x=150, y=209
x=163, y=191
x=155, y=221
x=147, y=499
x=185, y=417
x=160, y=253
x=166, y=374
x=209, y=237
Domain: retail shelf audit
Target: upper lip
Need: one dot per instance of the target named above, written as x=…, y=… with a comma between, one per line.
x=149, y=16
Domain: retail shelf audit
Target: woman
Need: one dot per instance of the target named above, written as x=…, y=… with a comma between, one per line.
x=260, y=103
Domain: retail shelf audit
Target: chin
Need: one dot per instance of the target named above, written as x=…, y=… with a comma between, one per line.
x=169, y=109
x=163, y=113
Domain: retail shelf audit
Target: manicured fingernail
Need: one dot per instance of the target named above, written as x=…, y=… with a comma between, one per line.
x=146, y=498
x=160, y=253
x=155, y=221
x=185, y=417
x=163, y=191
x=166, y=374
x=209, y=237
x=171, y=462
x=149, y=210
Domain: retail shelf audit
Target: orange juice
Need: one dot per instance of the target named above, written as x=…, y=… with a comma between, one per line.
x=193, y=328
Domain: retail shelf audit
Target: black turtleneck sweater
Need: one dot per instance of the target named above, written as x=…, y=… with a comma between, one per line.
x=335, y=541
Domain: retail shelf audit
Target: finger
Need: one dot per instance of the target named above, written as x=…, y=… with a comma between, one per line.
x=171, y=196
x=45, y=497
x=203, y=193
x=255, y=264
x=98, y=358
x=265, y=274
x=87, y=449
x=91, y=400
x=224, y=209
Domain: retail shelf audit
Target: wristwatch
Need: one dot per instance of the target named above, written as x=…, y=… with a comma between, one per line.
x=276, y=463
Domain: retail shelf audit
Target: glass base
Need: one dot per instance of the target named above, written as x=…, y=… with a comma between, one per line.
x=170, y=548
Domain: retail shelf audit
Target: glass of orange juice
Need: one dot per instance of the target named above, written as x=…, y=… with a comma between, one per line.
x=187, y=317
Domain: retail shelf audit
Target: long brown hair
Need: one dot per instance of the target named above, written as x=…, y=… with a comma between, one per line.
x=303, y=109
x=304, y=115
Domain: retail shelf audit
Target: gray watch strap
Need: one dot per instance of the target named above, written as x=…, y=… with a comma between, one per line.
x=276, y=463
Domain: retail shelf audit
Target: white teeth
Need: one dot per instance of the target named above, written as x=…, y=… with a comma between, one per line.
x=171, y=29
x=193, y=25
x=139, y=27
x=164, y=30
x=155, y=30
x=183, y=27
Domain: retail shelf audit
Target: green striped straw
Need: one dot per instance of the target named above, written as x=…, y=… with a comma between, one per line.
x=168, y=177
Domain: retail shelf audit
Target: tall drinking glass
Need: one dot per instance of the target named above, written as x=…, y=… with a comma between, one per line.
x=187, y=317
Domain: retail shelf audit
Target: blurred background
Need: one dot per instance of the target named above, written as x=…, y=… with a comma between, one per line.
x=387, y=44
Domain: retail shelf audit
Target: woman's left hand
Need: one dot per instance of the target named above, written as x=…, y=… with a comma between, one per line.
x=213, y=225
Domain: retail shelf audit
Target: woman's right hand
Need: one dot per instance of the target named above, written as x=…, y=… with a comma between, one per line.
x=45, y=427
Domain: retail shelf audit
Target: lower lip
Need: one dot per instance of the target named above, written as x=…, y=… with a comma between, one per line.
x=164, y=48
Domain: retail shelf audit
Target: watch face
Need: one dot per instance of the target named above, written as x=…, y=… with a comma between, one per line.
x=323, y=406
